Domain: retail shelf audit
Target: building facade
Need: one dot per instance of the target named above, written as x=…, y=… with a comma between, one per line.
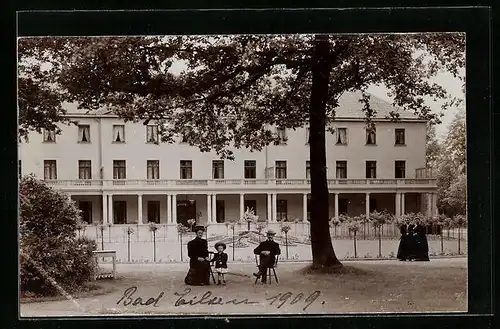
x=121, y=174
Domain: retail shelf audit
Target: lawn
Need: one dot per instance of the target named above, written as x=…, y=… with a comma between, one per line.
x=362, y=286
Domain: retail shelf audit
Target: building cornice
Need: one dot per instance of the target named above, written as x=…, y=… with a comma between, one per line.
x=340, y=119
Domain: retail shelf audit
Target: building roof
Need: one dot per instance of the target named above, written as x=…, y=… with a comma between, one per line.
x=349, y=107
x=72, y=108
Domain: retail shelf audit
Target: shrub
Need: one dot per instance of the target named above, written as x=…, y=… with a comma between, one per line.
x=50, y=251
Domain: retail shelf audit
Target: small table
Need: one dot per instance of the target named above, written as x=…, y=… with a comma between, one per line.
x=103, y=254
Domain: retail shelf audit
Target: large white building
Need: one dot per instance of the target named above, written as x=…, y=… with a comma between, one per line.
x=118, y=173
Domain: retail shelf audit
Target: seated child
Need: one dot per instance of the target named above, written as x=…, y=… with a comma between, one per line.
x=220, y=260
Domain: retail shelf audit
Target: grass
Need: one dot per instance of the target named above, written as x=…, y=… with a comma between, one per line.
x=359, y=287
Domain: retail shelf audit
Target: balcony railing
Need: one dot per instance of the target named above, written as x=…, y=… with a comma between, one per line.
x=231, y=183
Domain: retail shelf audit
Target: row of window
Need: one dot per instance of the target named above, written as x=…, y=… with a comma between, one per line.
x=152, y=135
x=186, y=169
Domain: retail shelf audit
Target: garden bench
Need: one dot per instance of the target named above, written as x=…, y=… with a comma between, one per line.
x=104, y=254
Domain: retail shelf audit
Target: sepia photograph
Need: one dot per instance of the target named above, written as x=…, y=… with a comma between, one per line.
x=249, y=174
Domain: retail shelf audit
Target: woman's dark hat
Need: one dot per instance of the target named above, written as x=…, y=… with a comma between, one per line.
x=220, y=244
x=198, y=228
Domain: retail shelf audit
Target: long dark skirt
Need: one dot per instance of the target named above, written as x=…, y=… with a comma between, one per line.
x=421, y=248
x=403, y=249
x=198, y=274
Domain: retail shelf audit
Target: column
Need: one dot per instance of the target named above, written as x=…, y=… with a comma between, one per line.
x=403, y=204
x=169, y=209
x=304, y=207
x=275, y=207
x=398, y=204
x=174, y=208
x=139, y=209
x=367, y=205
x=336, y=206
x=242, y=205
x=209, y=208
x=214, y=208
x=110, y=209
x=269, y=208
x=104, y=208
x=429, y=204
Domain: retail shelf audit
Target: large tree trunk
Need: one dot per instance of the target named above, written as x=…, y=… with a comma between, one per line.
x=321, y=243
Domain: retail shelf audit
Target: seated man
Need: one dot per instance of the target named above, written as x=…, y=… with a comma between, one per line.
x=267, y=250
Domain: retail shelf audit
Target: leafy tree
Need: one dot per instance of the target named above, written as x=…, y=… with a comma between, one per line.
x=50, y=251
x=451, y=173
x=432, y=146
x=234, y=90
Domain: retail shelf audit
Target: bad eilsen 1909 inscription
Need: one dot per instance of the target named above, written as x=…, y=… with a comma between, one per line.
x=207, y=298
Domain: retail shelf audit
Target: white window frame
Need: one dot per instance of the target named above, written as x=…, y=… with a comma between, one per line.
x=81, y=132
x=338, y=137
x=49, y=136
x=117, y=129
x=152, y=135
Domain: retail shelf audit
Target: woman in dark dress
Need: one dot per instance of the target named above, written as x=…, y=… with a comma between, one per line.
x=411, y=243
x=421, y=244
x=199, y=265
x=403, y=244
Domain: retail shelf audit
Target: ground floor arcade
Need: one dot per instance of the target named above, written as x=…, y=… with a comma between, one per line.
x=206, y=209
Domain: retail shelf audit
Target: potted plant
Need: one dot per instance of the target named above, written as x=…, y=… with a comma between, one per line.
x=182, y=229
x=335, y=222
x=442, y=221
x=191, y=223
x=353, y=225
x=459, y=221
x=285, y=228
x=101, y=227
x=249, y=217
x=378, y=219
x=153, y=228
x=232, y=228
x=128, y=231
x=260, y=227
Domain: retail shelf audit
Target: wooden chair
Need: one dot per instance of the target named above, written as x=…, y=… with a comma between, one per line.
x=271, y=270
x=210, y=253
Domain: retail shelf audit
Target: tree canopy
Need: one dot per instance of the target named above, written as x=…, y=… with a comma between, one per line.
x=233, y=90
x=451, y=168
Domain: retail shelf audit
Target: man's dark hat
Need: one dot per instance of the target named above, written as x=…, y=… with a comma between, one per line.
x=220, y=244
x=198, y=228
